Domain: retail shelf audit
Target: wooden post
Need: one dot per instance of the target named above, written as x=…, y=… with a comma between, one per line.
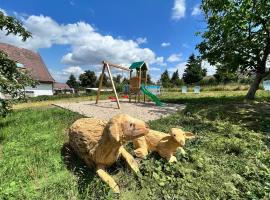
x=100, y=82
x=114, y=90
x=129, y=86
x=140, y=81
x=145, y=83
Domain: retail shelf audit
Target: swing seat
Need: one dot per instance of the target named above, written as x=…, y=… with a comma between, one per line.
x=112, y=98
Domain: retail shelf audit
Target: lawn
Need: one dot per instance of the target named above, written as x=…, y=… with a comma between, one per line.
x=229, y=159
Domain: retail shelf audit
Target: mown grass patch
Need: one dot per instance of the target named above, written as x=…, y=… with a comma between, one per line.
x=229, y=159
x=209, y=97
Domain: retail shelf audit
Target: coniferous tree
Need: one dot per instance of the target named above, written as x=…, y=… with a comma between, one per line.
x=165, y=79
x=175, y=80
x=194, y=71
x=149, y=80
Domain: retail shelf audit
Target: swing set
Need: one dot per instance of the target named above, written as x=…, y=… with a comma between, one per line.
x=135, y=86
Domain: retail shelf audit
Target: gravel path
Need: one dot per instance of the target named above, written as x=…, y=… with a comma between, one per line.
x=107, y=109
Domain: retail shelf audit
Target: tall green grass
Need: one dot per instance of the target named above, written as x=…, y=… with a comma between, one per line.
x=229, y=159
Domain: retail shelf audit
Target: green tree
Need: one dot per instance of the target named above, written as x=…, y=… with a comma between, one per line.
x=88, y=79
x=117, y=79
x=238, y=36
x=224, y=75
x=194, y=71
x=175, y=80
x=149, y=80
x=12, y=79
x=72, y=82
x=165, y=79
x=125, y=81
x=105, y=81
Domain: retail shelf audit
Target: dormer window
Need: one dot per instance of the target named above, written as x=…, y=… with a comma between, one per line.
x=20, y=65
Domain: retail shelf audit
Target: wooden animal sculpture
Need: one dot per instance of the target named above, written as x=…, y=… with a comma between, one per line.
x=165, y=144
x=100, y=143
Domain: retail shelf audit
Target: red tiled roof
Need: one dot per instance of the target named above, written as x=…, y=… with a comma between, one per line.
x=30, y=60
x=61, y=86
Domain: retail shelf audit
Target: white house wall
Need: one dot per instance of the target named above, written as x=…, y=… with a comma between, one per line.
x=2, y=96
x=41, y=89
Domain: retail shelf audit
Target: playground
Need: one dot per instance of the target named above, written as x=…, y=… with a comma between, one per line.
x=106, y=109
x=133, y=101
x=137, y=87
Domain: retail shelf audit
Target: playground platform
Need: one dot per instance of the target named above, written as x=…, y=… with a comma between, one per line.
x=106, y=109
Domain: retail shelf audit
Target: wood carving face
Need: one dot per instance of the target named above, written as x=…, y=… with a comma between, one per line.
x=126, y=128
x=180, y=136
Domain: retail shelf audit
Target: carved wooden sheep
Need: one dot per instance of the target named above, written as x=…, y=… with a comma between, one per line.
x=165, y=144
x=100, y=143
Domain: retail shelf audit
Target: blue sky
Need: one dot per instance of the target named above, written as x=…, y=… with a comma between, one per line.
x=73, y=36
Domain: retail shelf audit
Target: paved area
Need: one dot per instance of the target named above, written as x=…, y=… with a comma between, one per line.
x=107, y=109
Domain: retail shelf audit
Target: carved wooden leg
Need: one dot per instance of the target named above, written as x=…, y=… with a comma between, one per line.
x=107, y=179
x=141, y=152
x=172, y=159
x=183, y=152
x=130, y=160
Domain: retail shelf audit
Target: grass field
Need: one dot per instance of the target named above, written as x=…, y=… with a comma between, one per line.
x=229, y=159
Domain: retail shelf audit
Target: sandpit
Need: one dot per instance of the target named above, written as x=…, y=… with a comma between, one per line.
x=107, y=109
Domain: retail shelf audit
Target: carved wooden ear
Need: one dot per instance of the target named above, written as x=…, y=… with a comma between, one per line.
x=114, y=131
x=189, y=135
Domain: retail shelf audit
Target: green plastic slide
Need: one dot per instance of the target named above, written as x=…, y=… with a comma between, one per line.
x=151, y=95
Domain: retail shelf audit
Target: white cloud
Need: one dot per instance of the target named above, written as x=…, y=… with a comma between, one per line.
x=87, y=46
x=180, y=67
x=185, y=45
x=63, y=75
x=211, y=70
x=179, y=9
x=154, y=69
x=141, y=40
x=175, y=58
x=75, y=70
x=196, y=10
x=160, y=61
x=155, y=77
x=3, y=11
x=165, y=44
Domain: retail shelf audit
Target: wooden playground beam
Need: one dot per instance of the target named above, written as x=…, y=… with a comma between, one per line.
x=100, y=83
x=116, y=66
x=107, y=66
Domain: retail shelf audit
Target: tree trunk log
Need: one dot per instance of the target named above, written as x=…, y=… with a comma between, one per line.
x=255, y=86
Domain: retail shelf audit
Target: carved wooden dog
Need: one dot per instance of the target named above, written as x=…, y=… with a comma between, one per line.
x=99, y=143
x=165, y=144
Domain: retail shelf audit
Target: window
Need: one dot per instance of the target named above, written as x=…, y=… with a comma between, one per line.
x=20, y=65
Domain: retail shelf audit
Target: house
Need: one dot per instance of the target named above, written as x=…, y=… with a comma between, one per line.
x=34, y=65
x=62, y=88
